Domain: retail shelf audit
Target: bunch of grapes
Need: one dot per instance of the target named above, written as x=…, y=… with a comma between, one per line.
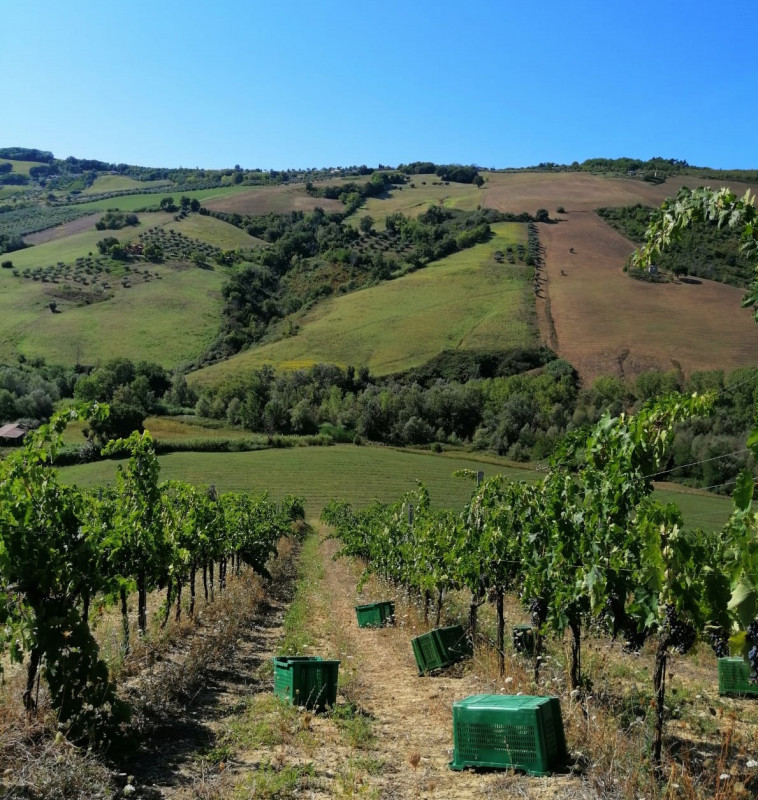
x=614, y=613
x=718, y=640
x=682, y=634
x=634, y=640
x=752, y=656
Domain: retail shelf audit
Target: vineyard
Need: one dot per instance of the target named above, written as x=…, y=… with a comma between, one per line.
x=67, y=554
x=585, y=549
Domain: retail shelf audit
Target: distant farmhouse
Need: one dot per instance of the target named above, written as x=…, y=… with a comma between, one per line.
x=12, y=433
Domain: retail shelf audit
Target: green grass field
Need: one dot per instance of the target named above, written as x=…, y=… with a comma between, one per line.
x=414, y=201
x=69, y=248
x=118, y=183
x=130, y=202
x=168, y=321
x=21, y=167
x=466, y=301
x=214, y=231
x=360, y=475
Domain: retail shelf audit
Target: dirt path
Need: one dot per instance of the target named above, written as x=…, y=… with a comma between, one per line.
x=413, y=715
x=389, y=737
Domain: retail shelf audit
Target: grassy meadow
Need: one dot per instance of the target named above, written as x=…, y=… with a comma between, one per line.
x=256, y=200
x=168, y=321
x=118, y=183
x=465, y=301
x=20, y=167
x=414, y=200
x=213, y=231
x=131, y=202
x=360, y=475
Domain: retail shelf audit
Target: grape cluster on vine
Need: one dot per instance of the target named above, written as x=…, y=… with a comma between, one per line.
x=538, y=611
x=682, y=635
x=718, y=640
x=634, y=640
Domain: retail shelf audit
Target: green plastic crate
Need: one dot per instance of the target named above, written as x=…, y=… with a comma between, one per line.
x=374, y=615
x=308, y=681
x=734, y=677
x=523, y=639
x=506, y=731
x=440, y=648
x=453, y=642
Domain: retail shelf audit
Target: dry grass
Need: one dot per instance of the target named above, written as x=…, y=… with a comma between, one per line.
x=163, y=673
x=271, y=199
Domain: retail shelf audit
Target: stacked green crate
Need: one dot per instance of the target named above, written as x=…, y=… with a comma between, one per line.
x=504, y=731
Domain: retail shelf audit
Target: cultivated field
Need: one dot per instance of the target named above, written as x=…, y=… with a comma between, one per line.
x=63, y=231
x=257, y=200
x=594, y=315
x=131, y=202
x=77, y=240
x=168, y=321
x=467, y=301
x=213, y=231
x=608, y=323
x=119, y=183
x=414, y=200
x=361, y=475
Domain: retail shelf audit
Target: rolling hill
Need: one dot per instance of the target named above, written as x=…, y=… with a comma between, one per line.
x=585, y=307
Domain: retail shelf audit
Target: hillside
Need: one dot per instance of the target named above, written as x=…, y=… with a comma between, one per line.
x=467, y=300
x=330, y=299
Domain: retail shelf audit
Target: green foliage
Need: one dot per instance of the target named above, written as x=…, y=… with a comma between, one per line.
x=115, y=220
x=694, y=206
x=705, y=251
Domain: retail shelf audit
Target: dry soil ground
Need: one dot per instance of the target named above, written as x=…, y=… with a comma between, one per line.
x=592, y=313
x=405, y=753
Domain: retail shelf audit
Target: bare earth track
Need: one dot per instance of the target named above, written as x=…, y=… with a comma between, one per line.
x=410, y=716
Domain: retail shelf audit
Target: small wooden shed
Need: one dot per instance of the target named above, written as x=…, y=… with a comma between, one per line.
x=12, y=434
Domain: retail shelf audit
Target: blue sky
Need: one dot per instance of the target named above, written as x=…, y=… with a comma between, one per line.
x=327, y=83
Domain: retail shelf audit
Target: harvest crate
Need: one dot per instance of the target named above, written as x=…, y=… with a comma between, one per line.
x=375, y=614
x=523, y=639
x=734, y=677
x=505, y=731
x=440, y=648
x=306, y=681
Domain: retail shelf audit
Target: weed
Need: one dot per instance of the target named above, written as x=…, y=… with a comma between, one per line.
x=355, y=726
x=270, y=783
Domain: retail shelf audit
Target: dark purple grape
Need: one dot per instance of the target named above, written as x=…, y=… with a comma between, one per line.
x=682, y=635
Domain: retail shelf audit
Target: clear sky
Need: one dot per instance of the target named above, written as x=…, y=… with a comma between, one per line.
x=270, y=84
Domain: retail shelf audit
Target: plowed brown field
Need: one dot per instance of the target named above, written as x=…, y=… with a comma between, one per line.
x=592, y=313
